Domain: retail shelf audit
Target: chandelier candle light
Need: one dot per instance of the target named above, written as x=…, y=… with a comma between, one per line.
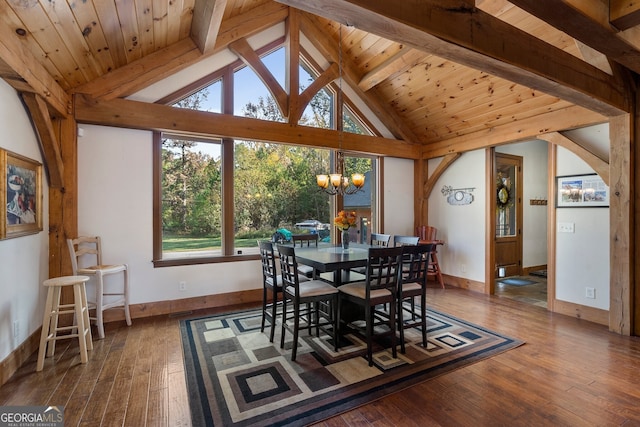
x=337, y=183
x=344, y=221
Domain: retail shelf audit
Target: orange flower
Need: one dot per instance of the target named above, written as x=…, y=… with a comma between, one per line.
x=345, y=220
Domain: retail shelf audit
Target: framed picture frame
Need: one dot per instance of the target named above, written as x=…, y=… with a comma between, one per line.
x=581, y=191
x=21, y=190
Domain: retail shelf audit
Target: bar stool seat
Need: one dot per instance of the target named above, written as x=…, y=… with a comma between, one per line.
x=81, y=328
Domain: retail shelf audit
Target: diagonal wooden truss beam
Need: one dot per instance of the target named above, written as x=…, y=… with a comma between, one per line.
x=597, y=164
x=242, y=49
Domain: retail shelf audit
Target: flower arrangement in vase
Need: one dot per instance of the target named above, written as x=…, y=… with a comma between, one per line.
x=344, y=221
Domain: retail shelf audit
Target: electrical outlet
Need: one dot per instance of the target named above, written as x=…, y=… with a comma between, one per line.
x=566, y=227
x=590, y=293
x=16, y=328
x=182, y=286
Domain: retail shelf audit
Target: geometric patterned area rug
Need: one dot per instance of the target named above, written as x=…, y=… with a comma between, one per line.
x=236, y=377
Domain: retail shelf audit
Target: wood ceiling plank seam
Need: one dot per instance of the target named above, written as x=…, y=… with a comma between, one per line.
x=491, y=118
x=46, y=43
x=10, y=21
x=160, y=24
x=144, y=16
x=378, y=54
x=570, y=118
x=174, y=22
x=186, y=18
x=403, y=61
x=66, y=25
x=482, y=112
x=470, y=126
x=89, y=23
x=489, y=96
x=108, y=16
x=129, y=28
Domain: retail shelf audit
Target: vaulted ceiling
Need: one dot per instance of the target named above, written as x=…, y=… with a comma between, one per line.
x=446, y=75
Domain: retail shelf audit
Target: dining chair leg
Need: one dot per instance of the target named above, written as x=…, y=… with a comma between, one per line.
x=274, y=313
x=392, y=326
x=264, y=308
x=296, y=326
x=284, y=320
x=423, y=313
x=401, y=325
x=369, y=316
x=336, y=323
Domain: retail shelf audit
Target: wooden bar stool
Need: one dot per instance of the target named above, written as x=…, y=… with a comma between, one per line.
x=53, y=309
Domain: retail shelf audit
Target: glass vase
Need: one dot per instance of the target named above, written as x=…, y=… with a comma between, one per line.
x=345, y=239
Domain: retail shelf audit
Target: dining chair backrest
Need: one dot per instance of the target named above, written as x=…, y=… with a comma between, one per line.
x=405, y=240
x=267, y=255
x=305, y=239
x=378, y=239
x=416, y=263
x=289, y=268
x=384, y=267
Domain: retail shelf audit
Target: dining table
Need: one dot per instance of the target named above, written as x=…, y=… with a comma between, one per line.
x=335, y=261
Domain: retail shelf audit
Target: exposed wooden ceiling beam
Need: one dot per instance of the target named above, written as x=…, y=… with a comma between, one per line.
x=569, y=118
x=587, y=21
x=152, y=68
x=467, y=35
x=33, y=77
x=141, y=115
x=47, y=138
x=207, y=17
x=403, y=60
x=599, y=165
x=624, y=14
x=328, y=48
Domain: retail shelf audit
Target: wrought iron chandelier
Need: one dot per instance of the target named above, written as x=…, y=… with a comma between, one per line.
x=336, y=183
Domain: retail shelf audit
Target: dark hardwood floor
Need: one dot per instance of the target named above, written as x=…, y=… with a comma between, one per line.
x=569, y=373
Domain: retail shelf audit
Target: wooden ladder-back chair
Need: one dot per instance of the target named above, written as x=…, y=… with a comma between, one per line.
x=307, y=240
x=429, y=234
x=315, y=302
x=413, y=284
x=86, y=260
x=379, y=289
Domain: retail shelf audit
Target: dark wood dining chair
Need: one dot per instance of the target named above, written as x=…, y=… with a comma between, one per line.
x=271, y=286
x=313, y=301
x=378, y=240
x=379, y=288
x=413, y=283
x=405, y=240
x=305, y=240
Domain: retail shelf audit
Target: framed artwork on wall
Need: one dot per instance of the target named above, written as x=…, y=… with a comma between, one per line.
x=21, y=190
x=581, y=191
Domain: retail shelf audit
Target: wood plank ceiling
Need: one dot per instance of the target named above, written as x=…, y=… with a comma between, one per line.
x=439, y=84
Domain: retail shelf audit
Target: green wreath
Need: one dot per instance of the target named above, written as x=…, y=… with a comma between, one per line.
x=503, y=196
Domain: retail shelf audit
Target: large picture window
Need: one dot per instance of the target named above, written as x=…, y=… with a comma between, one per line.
x=216, y=197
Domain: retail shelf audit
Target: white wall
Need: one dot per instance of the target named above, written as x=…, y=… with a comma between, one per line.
x=582, y=257
x=24, y=261
x=398, y=197
x=534, y=217
x=460, y=226
x=115, y=202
